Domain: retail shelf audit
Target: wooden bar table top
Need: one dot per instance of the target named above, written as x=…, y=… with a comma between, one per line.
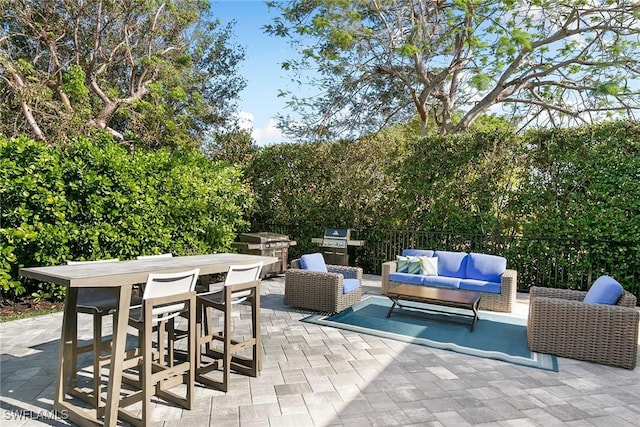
x=122, y=275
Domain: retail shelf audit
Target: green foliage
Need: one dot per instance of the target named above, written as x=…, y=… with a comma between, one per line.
x=583, y=183
x=75, y=84
x=94, y=200
x=154, y=74
x=382, y=62
x=563, y=204
x=235, y=146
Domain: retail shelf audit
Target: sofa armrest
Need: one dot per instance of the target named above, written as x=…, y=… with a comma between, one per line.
x=556, y=293
x=509, y=286
x=387, y=268
x=626, y=300
x=318, y=291
x=320, y=280
x=347, y=272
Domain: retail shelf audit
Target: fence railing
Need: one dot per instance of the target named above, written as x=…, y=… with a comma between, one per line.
x=540, y=261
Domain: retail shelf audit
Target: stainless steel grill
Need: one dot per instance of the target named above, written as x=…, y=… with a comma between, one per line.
x=335, y=245
x=266, y=244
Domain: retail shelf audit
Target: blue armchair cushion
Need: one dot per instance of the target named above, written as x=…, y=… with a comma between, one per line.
x=313, y=262
x=485, y=267
x=605, y=290
x=349, y=285
x=452, y=264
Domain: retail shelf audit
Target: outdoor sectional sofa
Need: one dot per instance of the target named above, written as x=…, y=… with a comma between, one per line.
x=485, y=274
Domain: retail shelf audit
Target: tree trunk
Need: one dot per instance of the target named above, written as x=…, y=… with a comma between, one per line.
x=26, y=110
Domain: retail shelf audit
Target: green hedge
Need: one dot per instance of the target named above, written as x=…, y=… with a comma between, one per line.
x=563, y=204
x=93, y=200
x=459, y=182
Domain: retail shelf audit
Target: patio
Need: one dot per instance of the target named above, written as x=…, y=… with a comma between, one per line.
x=315, y=376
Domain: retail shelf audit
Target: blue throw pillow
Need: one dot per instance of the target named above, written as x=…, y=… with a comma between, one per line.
x=605, y=290
x=313, y=262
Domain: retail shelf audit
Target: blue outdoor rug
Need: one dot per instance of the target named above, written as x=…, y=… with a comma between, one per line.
x=500, y=337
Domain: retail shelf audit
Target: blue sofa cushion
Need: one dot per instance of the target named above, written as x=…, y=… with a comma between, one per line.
x=484, y=267
x=417, y=252
x=480, y=286
x=313, y=262
x=412, y=279
x=441, y=281
x=605, y=290
x=452, y=264
x=349, y=285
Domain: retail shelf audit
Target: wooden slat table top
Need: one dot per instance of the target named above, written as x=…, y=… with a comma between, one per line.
x=437, y=295
x=136, y=271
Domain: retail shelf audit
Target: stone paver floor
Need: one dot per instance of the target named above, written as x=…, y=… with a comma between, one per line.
x=318, y=376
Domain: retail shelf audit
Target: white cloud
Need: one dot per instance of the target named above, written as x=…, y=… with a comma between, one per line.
x=267, y=135
x=245, y=120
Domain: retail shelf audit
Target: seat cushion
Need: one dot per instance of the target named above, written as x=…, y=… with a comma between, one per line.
x=413, y=279
x=484, y=267
x=452, y=264
x=480, y=286
x=349, y=285
x=441, y=281
x=605, y=290
x=313, y=262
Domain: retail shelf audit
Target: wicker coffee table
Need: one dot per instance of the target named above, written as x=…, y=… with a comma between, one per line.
x=436, y=296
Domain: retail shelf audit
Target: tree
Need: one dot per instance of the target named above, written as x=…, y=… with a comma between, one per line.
x=235, y=146
x=150, y=72
x=537, y=62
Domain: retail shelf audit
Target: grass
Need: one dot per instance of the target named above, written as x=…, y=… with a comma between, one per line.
x=8, y=317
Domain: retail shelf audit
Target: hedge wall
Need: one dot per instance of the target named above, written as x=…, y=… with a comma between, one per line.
x=563, y=204
x=94, y=200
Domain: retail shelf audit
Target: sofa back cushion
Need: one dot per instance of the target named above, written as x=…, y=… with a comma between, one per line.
x=452, y=264
x=313, y=262
x=605, y=290
x=485, y=267
x=417, y=252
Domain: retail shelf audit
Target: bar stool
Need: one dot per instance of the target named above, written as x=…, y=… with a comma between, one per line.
x=99, y=303
x=242, y=283
x=165, y=297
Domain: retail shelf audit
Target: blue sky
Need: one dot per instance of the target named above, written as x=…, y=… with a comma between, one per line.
x=259, y=102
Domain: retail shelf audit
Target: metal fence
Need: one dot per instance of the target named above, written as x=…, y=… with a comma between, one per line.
x=540, y=261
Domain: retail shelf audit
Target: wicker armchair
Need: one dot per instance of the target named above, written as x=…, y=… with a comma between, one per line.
x=318, y=291
x=560, y=323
